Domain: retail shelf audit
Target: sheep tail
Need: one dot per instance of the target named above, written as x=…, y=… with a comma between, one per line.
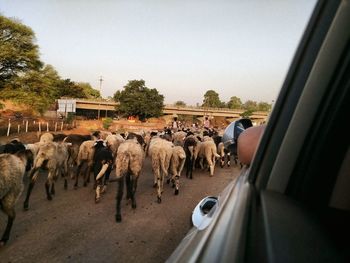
x=102, y=172
x=191, y=150
x=215, y=154
x=162, y=163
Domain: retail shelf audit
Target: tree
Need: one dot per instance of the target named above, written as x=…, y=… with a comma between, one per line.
x=211, y=99
x=138, y=100
x=234, y=103
x=18, y=53
x=36, y=89
x=250, y=105
x=264, y=106
x=68, y=88
x=89, y=92
x=180, y=103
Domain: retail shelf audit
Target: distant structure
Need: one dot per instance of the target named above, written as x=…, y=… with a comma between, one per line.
x=92, y=109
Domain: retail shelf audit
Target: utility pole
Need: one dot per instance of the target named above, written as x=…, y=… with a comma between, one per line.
x=98, y=113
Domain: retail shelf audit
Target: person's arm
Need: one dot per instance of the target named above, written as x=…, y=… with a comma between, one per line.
x=248, y=141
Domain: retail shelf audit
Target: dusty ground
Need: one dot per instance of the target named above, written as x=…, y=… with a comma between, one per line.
x=72, y=228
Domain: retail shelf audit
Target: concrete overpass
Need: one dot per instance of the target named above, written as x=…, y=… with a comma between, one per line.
x=202, y=111
x=110, y=106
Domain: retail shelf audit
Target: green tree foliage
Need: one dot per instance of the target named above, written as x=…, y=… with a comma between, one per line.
x=211, y=99
x=264, y=106
x=18, y=52
x=250, y=105
x=90, y=93
x=180, y=103
x=247, y=114
x=35, y=89
x=234, y=103
x=138, y=100
x=68, y=88
x=23, y=79
x=107, y=122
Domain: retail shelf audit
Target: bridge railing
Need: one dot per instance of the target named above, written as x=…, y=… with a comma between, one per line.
x=204, y=108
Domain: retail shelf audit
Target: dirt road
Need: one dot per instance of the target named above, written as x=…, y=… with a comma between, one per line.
x=72, y=228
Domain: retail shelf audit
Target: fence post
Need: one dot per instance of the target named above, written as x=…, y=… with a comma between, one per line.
x=9, y=128
x=27, y=126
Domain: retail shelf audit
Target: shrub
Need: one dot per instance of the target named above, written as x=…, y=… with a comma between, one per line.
x=107, y=122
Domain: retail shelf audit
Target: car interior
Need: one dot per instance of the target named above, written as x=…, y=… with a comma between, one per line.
x=292, y=204
x=302, y=208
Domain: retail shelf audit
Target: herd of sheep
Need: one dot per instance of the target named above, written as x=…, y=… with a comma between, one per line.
x=76, y=156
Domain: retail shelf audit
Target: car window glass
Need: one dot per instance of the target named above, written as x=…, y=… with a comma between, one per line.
x=340, y=197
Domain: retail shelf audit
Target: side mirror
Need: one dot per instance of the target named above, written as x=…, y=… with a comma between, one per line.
x=202, y=213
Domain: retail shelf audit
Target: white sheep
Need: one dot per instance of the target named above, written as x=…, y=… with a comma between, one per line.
x=129, y=161
x=52, y=156
x=224, y=154
x=179, y=137
x=208, y=151
x=85, y=160
x=34, y=148
x=113, y=141
x=104, y=134
x=177, y=162
x=12, y=170
x=160, y=151
x=46, y=137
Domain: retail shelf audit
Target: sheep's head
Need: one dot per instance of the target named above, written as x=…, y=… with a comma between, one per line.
x=100, y=144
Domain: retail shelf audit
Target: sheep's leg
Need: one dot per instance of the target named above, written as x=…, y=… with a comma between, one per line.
x=11, y=215
x=52, y=190
x=128, y=181
x=134, y=186
x=86, y=173
x=191, y=167
x=211, y=165
x=63, y=172
x=177, y=184
x=160, y=181
x=33, y=176
x=228, y=156
x=77, y=175
x=187, y=166
x=155, y=176
x=47, y=188
x=170, y=177
x=201, y=163
x=65, y=185
x=222, y=161
x=119, y=196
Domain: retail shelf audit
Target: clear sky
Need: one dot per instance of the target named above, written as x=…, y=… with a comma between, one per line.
x=182, y=48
